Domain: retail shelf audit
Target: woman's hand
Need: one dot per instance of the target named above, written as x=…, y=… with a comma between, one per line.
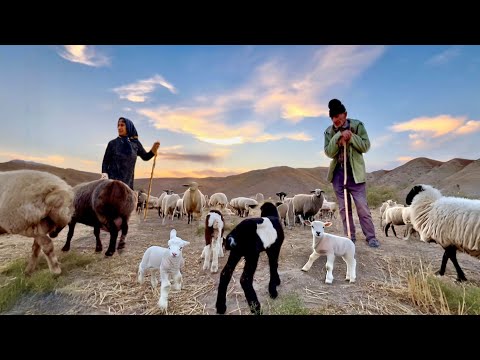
x=155, y=147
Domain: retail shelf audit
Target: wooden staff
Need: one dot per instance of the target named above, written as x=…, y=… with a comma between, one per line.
x=149, y=187
x=345, y=188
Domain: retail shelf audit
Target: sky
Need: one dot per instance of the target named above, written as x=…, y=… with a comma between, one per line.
x=222, y=110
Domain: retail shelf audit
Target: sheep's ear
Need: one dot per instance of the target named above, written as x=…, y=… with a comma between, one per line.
x=328, y=223
x=186, y=243
x=308, y=222
x=312, y=191
x=173, y=233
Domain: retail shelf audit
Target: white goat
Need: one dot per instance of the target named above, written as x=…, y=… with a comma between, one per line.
x=331, y=245
x=169, y=261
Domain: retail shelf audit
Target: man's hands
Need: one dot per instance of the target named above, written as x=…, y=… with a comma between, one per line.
x=345, y=138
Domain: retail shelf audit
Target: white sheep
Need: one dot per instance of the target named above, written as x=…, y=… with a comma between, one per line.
x=34, y=204
x=331, y=245
x=219, y=200
x=169, y=261
x=193, y=201
x=452, y=222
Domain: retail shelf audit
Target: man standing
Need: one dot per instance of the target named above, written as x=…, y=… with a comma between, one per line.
x=352, y=134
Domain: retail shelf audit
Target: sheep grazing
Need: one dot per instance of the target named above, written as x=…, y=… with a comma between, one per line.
x=219, y=200
x=214, y=227
x=452, y=222
x=104, y=204
x=35, y=204
x=169, y=261
x=248, y=239
x=331, y=245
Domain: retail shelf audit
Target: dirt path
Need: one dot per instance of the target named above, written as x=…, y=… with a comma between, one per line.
x=108, y=285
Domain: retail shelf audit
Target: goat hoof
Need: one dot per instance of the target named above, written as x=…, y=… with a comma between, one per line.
x=120, y=246
x=460, y=279
x=221, y=309
x=109, y=253
x=273, y=294
x=98, y=249
x=66, y=248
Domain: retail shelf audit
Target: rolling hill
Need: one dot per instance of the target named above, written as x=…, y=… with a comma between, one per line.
x=456, y=176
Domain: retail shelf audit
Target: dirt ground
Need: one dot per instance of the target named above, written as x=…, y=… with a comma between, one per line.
x=108, y=285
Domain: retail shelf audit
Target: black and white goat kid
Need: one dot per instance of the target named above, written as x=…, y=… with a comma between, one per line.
x=248, y=239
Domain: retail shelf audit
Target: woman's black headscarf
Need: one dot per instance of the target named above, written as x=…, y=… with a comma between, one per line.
x=132, y=135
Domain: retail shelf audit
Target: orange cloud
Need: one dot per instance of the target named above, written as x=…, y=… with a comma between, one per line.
x=203, y=124
x=433, y=126
x=468, y=128
x=404, y=159
x=423, y=130
x=83, y=54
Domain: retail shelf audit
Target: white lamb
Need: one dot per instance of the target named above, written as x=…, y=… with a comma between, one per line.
x=331, y=245
x=169, y=261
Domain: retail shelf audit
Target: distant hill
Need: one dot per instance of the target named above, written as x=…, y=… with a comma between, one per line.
x=453, y=177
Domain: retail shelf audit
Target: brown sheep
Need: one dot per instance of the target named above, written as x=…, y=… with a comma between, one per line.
x=104, y=204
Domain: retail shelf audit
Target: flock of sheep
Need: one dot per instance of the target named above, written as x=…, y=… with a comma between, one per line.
x=39, y=205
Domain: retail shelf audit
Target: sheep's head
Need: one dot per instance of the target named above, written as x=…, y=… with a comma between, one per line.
x=317, y=192
x=318, y=227
x=430, y=193
x=176, y=244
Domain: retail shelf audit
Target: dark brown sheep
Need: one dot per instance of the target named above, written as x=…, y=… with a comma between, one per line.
x=104, y=204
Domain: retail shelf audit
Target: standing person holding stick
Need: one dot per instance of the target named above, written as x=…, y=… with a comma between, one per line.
x=121, y=153
x=348, y=137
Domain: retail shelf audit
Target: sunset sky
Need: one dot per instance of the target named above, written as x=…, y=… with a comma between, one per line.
x=223, y=110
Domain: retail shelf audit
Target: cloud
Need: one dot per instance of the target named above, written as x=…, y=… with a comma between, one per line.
x=445, y=56
x=469, y=127
x=205, y=125
x=304, y=95
x=278, y=88
x=84, y=54
x=200, y=173
x=442, y=127
x=137, y=92
x=405, y=159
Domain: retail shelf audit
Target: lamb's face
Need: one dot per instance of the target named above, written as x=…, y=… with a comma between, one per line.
x=176, y=245
x=318, y=227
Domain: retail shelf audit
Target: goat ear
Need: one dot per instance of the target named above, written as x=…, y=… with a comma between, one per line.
x=328, y=223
